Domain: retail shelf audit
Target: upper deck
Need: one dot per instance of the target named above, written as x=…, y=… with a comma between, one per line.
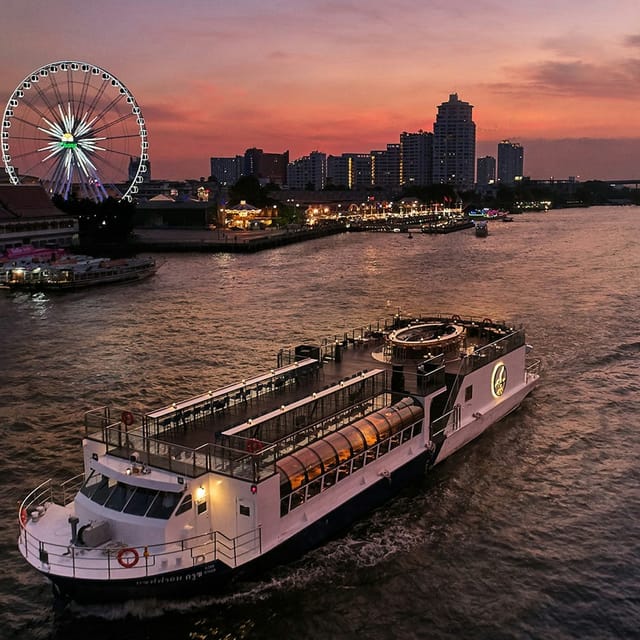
x=242, y=429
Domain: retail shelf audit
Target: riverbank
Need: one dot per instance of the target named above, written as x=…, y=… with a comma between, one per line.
x=224, y=240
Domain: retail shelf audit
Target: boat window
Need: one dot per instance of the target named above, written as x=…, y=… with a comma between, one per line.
x=92, y=484
x=139, y=503
x=119, y=496
x=103, y=489
x=185, y=505
x=468, y=393
x=163, y=505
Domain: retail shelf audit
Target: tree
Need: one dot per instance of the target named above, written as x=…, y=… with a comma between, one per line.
x=249, y=189
x=107, y=222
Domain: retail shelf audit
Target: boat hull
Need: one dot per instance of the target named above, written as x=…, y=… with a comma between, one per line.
x=213, y=577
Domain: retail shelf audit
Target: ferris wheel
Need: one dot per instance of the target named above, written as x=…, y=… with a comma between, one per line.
x=76, y=129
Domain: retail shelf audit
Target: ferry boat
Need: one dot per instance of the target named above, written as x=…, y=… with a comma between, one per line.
x=482, y=229
x=181, y=499
x=76, y=272
x=26, y=257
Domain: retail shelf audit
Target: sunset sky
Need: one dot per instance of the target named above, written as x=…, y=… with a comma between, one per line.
x=214, y=78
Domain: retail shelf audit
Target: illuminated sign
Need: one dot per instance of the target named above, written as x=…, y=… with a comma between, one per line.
x=498, y=379
x=67, y=141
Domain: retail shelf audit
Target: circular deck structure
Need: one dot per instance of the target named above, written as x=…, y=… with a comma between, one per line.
x=425, y=338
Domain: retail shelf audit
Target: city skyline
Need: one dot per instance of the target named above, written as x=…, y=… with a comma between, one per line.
x=346, y=78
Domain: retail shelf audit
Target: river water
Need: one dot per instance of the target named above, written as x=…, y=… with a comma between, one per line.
x=532, y=531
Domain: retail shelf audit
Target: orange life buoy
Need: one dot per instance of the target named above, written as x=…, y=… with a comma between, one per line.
x=253, y=445
x=487, y=321
x=127, y=418
x=128, y=557
x=23, y=517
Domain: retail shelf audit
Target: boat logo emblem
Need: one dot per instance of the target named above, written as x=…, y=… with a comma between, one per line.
x=499, y=379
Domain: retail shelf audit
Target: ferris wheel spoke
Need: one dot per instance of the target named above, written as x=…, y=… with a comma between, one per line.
x=37, y=110
x=113, y=123
x=111, y=107
x=81, y=110
x=70, y=96
x=39, y=140
x=125, y=136
x=28, y=124
x=97, y=98
x=57, y=92
x=104, y=160
x=119, y=153
x=31, y=168
x=44, y=98
x=86, y=106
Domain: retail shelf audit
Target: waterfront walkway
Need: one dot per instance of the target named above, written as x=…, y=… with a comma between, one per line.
x=224, y=240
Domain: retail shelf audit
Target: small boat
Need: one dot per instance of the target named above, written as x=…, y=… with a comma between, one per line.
x=482, y=229
x=181, y=499
x=76, y=272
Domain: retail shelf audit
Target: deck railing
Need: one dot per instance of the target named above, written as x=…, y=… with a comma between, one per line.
x=76, y=560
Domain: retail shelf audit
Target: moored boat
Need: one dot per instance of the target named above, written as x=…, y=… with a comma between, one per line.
x=76, y=272
x=447, y=226
x=182, y=498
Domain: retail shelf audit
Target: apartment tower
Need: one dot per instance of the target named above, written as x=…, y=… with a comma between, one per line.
x=454, y=144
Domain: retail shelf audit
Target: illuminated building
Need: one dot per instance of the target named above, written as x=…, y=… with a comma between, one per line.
x=416, y=158
x=350, y=170
x=486, y=171
x=510, y=162
x=308, y=170
x=227, y=171
x=267, y=167
x=385, y=167
x=454, y=144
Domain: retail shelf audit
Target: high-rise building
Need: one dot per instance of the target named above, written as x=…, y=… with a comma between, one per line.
x=308, y=171
x=486, y=173
x=510, y=162
x=350, y=170
x=385, y=167
x=454, y=144
x=267, y=167
x=227, y=171
x=416, y=158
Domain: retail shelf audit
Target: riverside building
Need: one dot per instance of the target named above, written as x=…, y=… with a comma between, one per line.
x=510, y=162
x=454, y=144
x=416, y=158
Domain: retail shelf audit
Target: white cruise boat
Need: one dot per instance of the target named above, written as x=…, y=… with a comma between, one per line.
x=181, y=499
x=78, y=272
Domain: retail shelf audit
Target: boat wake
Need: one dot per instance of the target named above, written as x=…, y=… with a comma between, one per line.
x=366, y=546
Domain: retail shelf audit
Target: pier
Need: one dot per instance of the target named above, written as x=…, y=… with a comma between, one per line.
x=225, y=240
